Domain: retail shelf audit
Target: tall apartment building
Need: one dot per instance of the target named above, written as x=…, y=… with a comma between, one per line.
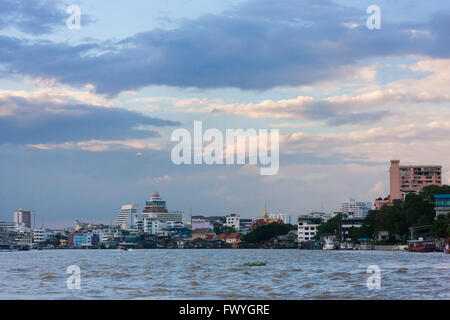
x=127, y=216
x=355, y=209
x=24, y=217
x=411, y=179
x=155, y=208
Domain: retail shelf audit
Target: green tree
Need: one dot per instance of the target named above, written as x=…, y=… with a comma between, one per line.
x=266, y=232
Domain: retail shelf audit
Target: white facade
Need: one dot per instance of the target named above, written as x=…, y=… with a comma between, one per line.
x=281, y=216
x=173, y=225
x=164, y=216
x=127, y=216
x=233, y=220
x=306, y=229
x=39, y=235
x=152, y=226
x=355, y=209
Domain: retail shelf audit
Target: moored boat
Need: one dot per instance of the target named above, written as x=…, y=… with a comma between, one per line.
x=350, y=246
x=421, y=246
x=329, y=245
x=343, y=246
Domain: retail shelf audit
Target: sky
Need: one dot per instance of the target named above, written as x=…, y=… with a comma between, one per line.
x=86, y=114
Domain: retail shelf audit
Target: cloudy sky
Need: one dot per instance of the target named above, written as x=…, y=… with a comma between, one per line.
x=86, y=114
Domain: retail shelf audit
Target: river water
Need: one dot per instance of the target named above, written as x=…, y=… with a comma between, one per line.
x=220, y=274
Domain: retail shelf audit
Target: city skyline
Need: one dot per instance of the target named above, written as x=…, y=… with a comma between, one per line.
x=86, y=114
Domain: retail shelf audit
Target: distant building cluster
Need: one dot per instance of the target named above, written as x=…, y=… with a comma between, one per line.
x=157, y=227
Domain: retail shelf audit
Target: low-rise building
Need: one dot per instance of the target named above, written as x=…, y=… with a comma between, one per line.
x=306, y=229
x=233, y=221
x=280, y=216
x=442, y=205
x=39, y=235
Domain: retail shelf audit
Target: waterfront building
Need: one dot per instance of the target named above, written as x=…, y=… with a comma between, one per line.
x=151, y=225
x=442, y=205
x=205, y=234
x=233, y=221
x=23, y=239
x=127, y=217
x=245, y=225
x=200, y=222
x=80, y=238
x=233, y=238
x=356, y=209
x=39, y=235
x=24, y=217
x=306, y=229
x=410, y=179
x=7, y=226
x=281, y=216
x=346, y=224
x=165, y=217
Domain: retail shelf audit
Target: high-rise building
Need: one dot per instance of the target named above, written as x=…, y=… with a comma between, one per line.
x=155, y=208
x=24, y=217
x=154, y=205
x=355, y=209
x=127, y=216
x=411, y=179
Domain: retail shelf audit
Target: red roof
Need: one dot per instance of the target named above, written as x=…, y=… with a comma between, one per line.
x=221, y=236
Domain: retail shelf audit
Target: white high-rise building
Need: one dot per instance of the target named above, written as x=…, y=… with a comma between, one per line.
x=281, y=216
x=355, y=209
x=127, y=216
x=25, y=218
x=152, y=226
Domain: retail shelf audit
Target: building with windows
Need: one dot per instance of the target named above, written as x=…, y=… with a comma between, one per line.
x=280, y=216
x=245, y=225
x=152, y=225
x=346, y=224
x=155, y=208
x=442, y=204
x=127, y=217
x=39, y=235
x=24, y=217
x=7, y=226
x=409, y=179
x=306, y=229
x=154, y=205
x=356, y=209
x=233, y=221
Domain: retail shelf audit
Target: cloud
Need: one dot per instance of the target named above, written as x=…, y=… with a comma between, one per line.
x=41, y=121
x=256, y=46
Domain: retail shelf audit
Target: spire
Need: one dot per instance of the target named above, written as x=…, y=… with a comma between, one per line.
x=265, y=216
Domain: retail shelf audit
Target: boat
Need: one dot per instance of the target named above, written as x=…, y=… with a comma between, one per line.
x=421, y=246
x=350, y=246
x=123, y=248
x=447, y=245
x=343, y=246
x=329, y=245
x=6, y=247
x=366, y=246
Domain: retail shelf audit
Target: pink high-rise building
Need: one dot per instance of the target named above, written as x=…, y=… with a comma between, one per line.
x=407, y=179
